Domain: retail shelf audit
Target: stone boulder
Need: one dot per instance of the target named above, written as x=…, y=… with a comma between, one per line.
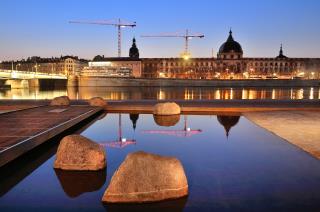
x=167, y=108
x=166, y=121
x=144, y=177
x=60, y=101
x=97, y=101
x=76, y=152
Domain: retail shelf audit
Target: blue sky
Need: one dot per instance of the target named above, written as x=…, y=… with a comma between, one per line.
x=40, y=27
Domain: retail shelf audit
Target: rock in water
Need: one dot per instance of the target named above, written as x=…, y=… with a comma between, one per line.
x=144, y=177
x=76, y=152
x=167, y=108
x=97, y=101
x=166, y=121
x=60, y=101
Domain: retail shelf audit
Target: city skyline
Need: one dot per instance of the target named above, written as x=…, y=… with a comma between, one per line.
x=41, y=28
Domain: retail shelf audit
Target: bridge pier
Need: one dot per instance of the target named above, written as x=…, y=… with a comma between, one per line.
x=34, y=83
x=72, y=81
x=18, y=83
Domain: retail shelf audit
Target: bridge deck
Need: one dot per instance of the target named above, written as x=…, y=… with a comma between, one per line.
x=23, y=130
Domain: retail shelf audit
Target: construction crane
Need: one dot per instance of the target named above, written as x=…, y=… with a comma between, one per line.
x=186, y=36
x=118, y=24
x=185, y=132
x=121, y=142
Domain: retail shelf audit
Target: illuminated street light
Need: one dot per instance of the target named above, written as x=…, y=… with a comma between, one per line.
x=17, y=66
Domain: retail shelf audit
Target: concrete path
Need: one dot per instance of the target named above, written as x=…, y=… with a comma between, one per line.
x=301, y=128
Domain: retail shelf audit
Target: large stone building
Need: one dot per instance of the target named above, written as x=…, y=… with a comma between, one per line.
x=230, y=64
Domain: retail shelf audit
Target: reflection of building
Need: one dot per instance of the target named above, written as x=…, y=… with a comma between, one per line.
x=228, y=122
x=230, y=64
x=134, y=118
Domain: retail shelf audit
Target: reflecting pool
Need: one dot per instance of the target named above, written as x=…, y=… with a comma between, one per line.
x=231, y=165
x=165, y=93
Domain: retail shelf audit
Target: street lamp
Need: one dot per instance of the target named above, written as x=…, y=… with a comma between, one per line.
x=17, y=66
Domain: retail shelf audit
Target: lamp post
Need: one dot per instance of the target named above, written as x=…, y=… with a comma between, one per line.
x=17, y=66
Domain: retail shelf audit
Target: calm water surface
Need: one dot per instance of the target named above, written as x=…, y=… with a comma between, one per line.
x=180, y=93
x=231, y=165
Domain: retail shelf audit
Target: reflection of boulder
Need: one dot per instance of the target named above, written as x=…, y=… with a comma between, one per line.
x=76, y=152
x=97, y=101
x=60, y=101
x=144, y=177
x=134, y=118
x=166, y=121
x=228, y=122
x=167, y=108
x=169, y=205
x=75, y=183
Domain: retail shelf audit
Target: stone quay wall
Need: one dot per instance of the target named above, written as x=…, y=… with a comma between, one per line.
x=159, y=82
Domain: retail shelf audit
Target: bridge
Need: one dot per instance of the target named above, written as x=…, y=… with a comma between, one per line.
x=26, y=79
x=15, y=74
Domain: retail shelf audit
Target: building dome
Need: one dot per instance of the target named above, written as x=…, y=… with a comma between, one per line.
x=230, y=46
x=134, y=51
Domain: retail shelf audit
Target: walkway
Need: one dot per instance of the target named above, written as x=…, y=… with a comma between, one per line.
x=23, y=130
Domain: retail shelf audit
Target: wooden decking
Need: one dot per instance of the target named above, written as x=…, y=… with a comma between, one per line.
x=23, y=130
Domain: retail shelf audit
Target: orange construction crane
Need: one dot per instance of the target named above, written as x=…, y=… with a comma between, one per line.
x=186, y=36
x=119, y=24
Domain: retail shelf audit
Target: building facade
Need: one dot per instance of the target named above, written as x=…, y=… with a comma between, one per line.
x=64, y=65
x=230, y=64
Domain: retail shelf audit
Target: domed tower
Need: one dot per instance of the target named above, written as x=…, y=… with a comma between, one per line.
x=230, y=49
x=134, y=51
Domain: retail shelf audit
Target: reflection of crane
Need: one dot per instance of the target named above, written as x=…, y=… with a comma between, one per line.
x=186, y=132
x=186, y=36
x=119, y=24
x=120, y=142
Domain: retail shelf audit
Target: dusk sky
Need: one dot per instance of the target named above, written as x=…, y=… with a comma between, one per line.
x=41, y=28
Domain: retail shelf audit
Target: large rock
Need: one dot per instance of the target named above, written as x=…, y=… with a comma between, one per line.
x=166, y=121
x=144, y=177
x=97, y=101
x=167, y=108
x=60, y=101
x=76, y=152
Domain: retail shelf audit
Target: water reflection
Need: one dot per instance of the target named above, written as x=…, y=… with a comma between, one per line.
x=134, y=118
x=228, y=122
x=75, y=183
x=166, y=121
x=171, y=205
x=172, y=120
x=120, y=141
x=165, y=93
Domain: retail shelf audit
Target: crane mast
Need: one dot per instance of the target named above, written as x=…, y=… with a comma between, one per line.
x=186, y=36
x=118, y=24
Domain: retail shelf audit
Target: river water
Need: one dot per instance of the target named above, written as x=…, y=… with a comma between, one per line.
x=165, y=93
x=231, y=165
